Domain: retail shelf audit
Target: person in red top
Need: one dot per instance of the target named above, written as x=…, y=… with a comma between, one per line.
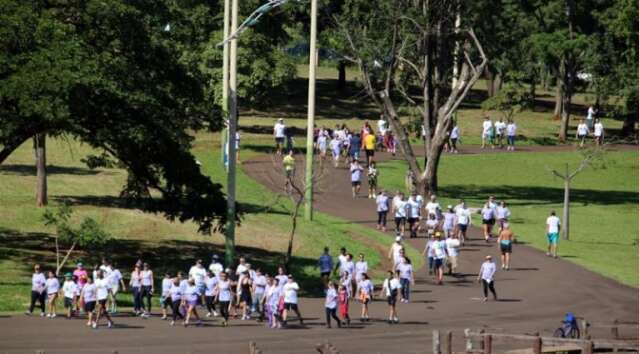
x=342, y=299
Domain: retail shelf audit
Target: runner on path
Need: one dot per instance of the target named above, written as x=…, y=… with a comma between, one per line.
x=382, y=210
x=487, y=277
x=391, y=290
x=505, y=241
x=279, y=132
x=356, y=177
x=553, y=226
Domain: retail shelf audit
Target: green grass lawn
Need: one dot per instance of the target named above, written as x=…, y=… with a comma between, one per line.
x=605, y=202
x=263, y=235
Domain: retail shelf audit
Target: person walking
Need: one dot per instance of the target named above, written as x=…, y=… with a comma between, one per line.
x=452, y=250
x=463, y=218
x=71, y=292
x=500, y=131
x=259, y=289
x=382, y=210
x=366, y=289
x=336, y=148
x=176, y=292
x=391, y=290
x=330, y=305
x=453, y=139
x=88, y=297
x=290, y=290
x=448, y=225
x=356, y=177
x=487, y=131
x=582, y=133
x=439, y=255
x=165, y=295
x=147, y=281
x=53, y=289
x=223, y=296
x=325, y=265
x=487, y=277
x=400, y=210
x=598, y=132
x=505, y=240
x=209, y=294
x=502, y=213
x=395, y=251
x=406, y=278
x=355, y=147
x=488, y=220
x=553, y=226
x=38, y=291
x=372, y=180
x=190, y=299
x=279, y=132
x=102, y=296
x=511, y=133
x=414, y=214
x=370, y=141
x=289, y=170
x=136, y=289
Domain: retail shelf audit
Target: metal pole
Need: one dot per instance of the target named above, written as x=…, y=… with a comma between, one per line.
x=308, y=208
x=225, y=77
x=233, y=110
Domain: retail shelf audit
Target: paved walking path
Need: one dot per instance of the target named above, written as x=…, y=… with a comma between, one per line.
x=534, y=296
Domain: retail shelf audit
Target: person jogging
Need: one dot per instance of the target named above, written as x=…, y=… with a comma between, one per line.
x=487, y=277
x=553, y=226
x=505, y=241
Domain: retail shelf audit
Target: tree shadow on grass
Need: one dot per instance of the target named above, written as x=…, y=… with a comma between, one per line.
x=29, y=170
x=533, y=195
x=164, y=256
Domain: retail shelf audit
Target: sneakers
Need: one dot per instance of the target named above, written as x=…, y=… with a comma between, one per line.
x=48, y=315
x=109, y=324
x=94, y=325
x=172, y=323
x=42, y=314
x=215, y=314
x=54, y=315
x=163, y=317
x=208, y=314
x=396, y=320
x=88, y=324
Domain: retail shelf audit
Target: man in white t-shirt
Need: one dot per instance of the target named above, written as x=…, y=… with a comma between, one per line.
x=433, y=207
x=198, y=273
x=279, y=132
x=395, y=251
x=598, y=132
x=452, y=249
x=290, y=290
x=382, y=126
x=216, y=267
x=500, y=131
x=553, y=226
x=487, y=132
x=413, y=214
x=463, y=220
x=382, y=210
x=590, y=118
x=582, y=133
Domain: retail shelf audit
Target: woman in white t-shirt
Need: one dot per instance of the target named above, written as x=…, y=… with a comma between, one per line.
x=330, y=304
x=223, y=296
x=53, y=288
x=453, y=139
x=88, y=298
x=365, y=291
x=175, y=296
x=382, y=210
x=289, y=291
x=391, y=290
x=102, y=296
x=582, y=133
x=598, y=132
x=511, y=133
x=190, y=300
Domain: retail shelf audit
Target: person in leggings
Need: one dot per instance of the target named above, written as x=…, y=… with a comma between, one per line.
x=223, y=296
x=382, y=210
x=331, y=305
x=147, y=288
x=38, y=293
x=136, y=289
x=175, y=296
x=209, y=293
x=487, y=277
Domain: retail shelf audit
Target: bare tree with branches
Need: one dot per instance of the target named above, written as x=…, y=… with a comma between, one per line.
x=589, y=157
x=295, y=189
x=406, y=53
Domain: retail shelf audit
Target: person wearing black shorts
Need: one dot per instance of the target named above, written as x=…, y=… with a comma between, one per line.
x=390, y=289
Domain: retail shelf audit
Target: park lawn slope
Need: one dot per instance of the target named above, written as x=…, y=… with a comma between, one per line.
x=604, y=233
x=168, y=246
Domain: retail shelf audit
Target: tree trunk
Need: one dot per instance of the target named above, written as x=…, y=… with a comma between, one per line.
x=498, y=82
x=341, y=76
x=533, y=93
x=559, y=99
x=629, y=123
x=41, y=167
x=565, y=231
x=64, y=260
x=565, y=117
x=490, y=83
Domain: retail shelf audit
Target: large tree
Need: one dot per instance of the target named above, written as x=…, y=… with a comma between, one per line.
x=406, y=53
x=108, y=73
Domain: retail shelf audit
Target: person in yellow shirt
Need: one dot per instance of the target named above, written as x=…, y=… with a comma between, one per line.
x=369, y=146
x=289, y=168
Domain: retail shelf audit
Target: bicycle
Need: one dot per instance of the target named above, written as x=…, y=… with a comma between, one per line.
x=569, y=328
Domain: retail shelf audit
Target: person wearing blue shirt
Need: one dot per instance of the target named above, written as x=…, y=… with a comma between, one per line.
x=325, y=264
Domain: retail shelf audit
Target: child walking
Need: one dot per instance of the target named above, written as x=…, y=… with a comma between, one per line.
x=71, y=291
x=343, y=297
x=53, y=288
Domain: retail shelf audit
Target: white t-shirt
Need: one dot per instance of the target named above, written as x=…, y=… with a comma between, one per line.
x=241, y=268
x=167, y=283
x=70, y=289
x=500, y=127
x=439, y=249
x=487, y=126
x=224, y=288
x=591, y=113
x=102, y=286
x=210, y=283
x=114, y=278
x=175, y=292
x=502, y=212
x=290, y=293
x=191, y=293
x=361, y=267
x=400, y=209
x=553, y=224
x=413, y=207
x=391, y=285
x=454, y=134
x=432, y=207
x=381, y=126
x=487, y=271
x=599, y=128
x=38, y=282
x=52, y=285
x=216, y=268
x=511, y=129
x=259, y=284
x=331, y=299
x=322, y=142
x=278, y=130
x=382, y=203
x=582, y=129
x=198, y=274
x=463, y=216
x=347, y=266
x=89, y=292
x=452, y=246
x=106, y=270
x=366, y=286
x=405, y=271
x=396, y=247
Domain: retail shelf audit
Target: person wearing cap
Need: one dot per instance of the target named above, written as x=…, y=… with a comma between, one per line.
x=216, y=267
x=439, y=256
x=290, y=290
x=487, y=277
x=80, y=274
x=505, y=242
x=394, y=253
x=71, y=292
x=279, y=132
x=38, y=283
